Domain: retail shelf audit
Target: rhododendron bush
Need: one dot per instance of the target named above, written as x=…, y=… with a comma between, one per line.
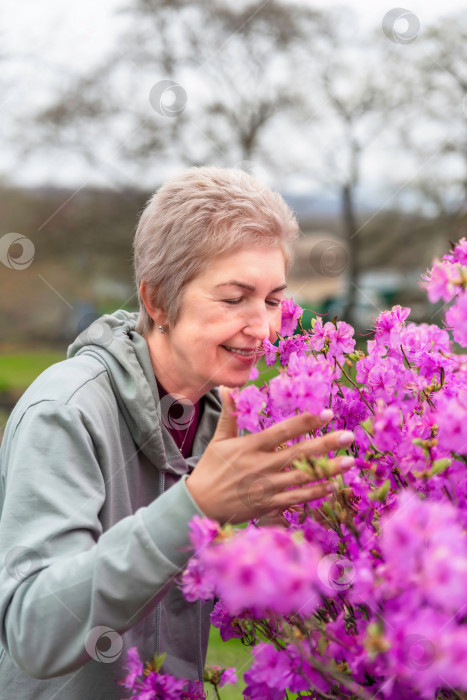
x=365, y=597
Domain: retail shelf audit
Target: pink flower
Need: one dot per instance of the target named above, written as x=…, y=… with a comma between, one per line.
x=202, y=531
x=195, y=584
x=296, y=344
x=320, y=334
x=270, y=352
x=263, y=570
x=340, y=339
x=389, y=325
x=254, y=374
x=229, y=675
x=456, y=318
x=135, y=667
x=459, y=253
x=221, y=619
x=291, y=312
x=387, y=427
x=452, y=420
x=442, y=281
x=248, y=404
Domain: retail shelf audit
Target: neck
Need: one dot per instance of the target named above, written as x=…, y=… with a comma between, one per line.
x=166, y=371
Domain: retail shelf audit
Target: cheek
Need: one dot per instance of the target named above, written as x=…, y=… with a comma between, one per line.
x=276, y=322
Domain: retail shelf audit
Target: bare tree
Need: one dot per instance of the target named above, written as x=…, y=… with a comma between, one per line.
x=359, y=106
x=207, y=80
x=435, y=134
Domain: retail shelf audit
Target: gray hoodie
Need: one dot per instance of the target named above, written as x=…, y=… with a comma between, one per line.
x=94, y=511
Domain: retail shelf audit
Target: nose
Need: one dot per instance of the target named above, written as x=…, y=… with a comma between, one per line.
x=257, y=323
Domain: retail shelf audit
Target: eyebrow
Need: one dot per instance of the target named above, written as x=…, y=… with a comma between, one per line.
x=249, y=287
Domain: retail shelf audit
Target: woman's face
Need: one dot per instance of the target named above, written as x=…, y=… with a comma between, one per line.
x=231, y=306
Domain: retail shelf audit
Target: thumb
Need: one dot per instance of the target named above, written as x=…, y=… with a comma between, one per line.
x=227, y=424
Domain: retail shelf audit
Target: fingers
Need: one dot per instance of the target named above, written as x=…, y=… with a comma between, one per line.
x=294, y=496
x=311, y=448
x=295, y=477
x=273, y=518
x=290, y=428
x=300, y=511
x=227, y=423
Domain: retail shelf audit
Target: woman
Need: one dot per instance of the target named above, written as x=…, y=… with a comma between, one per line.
x=97, y=462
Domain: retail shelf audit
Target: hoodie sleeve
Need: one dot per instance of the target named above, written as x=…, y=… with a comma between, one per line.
x=62, y=576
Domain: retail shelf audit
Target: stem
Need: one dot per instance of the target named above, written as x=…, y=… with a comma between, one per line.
x=216, y=691
x=409, y=366
x=355, y=385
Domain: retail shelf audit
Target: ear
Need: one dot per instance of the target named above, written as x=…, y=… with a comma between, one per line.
x=157, y=314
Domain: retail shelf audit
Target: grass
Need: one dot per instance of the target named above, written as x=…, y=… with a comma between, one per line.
x=225, y=655
x=18, y=371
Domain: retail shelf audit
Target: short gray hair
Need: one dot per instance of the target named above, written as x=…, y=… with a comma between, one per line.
x=195, y=216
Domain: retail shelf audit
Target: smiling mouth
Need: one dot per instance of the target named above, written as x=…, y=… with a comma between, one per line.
x=249, y=352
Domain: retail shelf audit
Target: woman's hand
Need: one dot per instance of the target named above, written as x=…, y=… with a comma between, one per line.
x=241, y=478
x=276, y=517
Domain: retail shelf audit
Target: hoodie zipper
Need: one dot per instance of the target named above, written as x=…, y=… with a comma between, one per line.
x=198, y=611
x=198, y=641
x=159, y=605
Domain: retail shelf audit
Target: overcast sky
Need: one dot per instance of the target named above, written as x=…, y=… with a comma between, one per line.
x=51, y=39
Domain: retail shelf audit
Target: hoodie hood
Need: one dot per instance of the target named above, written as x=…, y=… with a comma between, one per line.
x=113, y=341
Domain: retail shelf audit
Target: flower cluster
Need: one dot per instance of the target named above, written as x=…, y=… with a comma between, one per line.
x=151, y=684
x=447, y=280
x=366, y=597
x=240, y=571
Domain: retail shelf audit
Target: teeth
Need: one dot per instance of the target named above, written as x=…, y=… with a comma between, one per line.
x=240, y=352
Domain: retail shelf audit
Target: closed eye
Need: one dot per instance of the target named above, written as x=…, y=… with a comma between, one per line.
x=273, y=303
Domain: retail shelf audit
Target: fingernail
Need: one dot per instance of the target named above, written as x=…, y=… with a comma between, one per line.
x=347, y=462
x=346, y=438
x=326, y=415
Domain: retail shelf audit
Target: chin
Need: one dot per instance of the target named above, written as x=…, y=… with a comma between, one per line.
x=232, y=382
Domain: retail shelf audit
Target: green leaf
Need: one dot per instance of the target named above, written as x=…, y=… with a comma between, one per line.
x=381, y=493
x=158, y=660
x=440, y=465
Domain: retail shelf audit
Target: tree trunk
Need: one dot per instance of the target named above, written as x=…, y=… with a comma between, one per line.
x=352, y=240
